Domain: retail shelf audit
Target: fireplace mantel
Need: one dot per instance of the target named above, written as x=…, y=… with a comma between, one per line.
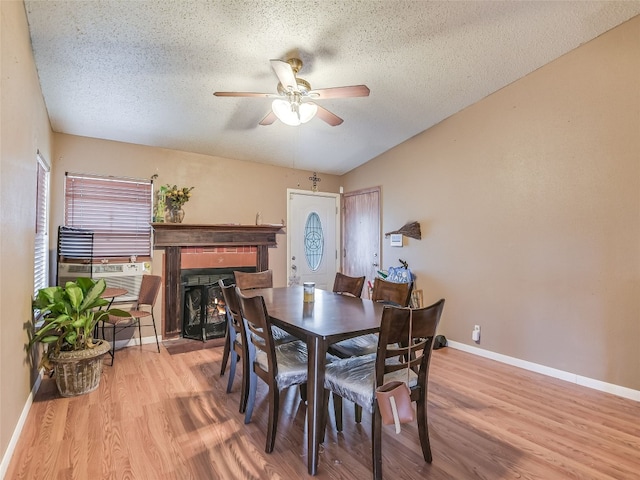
x=202, y=235
x=172, y=237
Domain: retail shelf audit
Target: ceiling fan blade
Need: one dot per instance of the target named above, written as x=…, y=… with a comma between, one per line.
x=285, y=74
x=245, y=94
x=325, y=115
x=341, y=92
x=268, y=119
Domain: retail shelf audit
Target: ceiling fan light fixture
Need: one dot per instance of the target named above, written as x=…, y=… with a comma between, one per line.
x=293, y=114
x=307, y=111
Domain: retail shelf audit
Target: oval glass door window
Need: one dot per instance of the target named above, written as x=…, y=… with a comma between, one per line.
x=313, y=241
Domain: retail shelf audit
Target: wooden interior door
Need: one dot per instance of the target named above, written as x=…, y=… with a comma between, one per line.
x=361, y=234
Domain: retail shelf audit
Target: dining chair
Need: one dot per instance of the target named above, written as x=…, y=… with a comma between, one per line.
x=390, y=293
x=384, y=291
x=149, y=288
x=240, y=348
x=347, y=285
x=251, y=281
x=357, y=378
x=279, y=366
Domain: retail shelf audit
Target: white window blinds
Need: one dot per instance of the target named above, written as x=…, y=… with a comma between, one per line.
x=41, y=247
x=118, y=211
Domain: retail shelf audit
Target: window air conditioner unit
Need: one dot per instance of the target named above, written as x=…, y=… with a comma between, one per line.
x=116, y=275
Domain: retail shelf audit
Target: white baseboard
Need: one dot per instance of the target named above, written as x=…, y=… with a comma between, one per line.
x=8, y=454
x=132, y=342
x=551, y=372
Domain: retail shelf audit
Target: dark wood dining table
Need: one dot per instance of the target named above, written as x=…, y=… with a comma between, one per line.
x=329, y=319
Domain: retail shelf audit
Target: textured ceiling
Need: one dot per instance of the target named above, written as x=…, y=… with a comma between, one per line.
x=144, y=71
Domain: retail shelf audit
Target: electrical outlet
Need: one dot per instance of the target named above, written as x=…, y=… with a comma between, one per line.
x=475, y=335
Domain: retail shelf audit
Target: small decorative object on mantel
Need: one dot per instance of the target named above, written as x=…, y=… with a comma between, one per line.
x=411, y=230
x=175, y=198
x=160, y=204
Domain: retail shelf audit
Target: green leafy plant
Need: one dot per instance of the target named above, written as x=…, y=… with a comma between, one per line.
x=67, y=316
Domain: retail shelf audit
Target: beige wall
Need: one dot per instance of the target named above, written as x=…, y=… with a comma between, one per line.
x=529, y=203
x=24, y=128
x=225, y=191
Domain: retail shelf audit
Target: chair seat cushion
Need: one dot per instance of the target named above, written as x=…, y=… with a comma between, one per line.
x=354, y=379
x=280, y=336
x=139, y=313
x=356, y=346
x=292, y=363
x=135, y=316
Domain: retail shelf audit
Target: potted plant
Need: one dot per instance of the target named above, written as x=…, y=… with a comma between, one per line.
x=66, y=317
x=175, y=198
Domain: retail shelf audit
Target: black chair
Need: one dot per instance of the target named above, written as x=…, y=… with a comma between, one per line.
x=357, y=378
x=149, y=288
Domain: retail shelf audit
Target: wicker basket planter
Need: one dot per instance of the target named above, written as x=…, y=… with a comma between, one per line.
x=78, y=372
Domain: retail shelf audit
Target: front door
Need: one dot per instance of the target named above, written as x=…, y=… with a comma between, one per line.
x=313, y=230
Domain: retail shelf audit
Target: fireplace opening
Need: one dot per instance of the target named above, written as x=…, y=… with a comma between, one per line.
x=204, y=315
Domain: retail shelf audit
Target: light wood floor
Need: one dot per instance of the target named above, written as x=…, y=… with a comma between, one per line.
x=161, y=416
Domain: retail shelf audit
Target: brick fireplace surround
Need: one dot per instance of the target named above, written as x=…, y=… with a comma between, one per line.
x=189, y=246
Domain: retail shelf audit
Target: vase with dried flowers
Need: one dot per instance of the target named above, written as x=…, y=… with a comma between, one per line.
x=175, y=198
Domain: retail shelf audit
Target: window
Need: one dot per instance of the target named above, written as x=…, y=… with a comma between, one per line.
x=117, y=210
x=313, y=241
x=41, y=247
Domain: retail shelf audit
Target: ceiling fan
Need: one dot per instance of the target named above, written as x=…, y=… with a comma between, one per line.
x=293, y=104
